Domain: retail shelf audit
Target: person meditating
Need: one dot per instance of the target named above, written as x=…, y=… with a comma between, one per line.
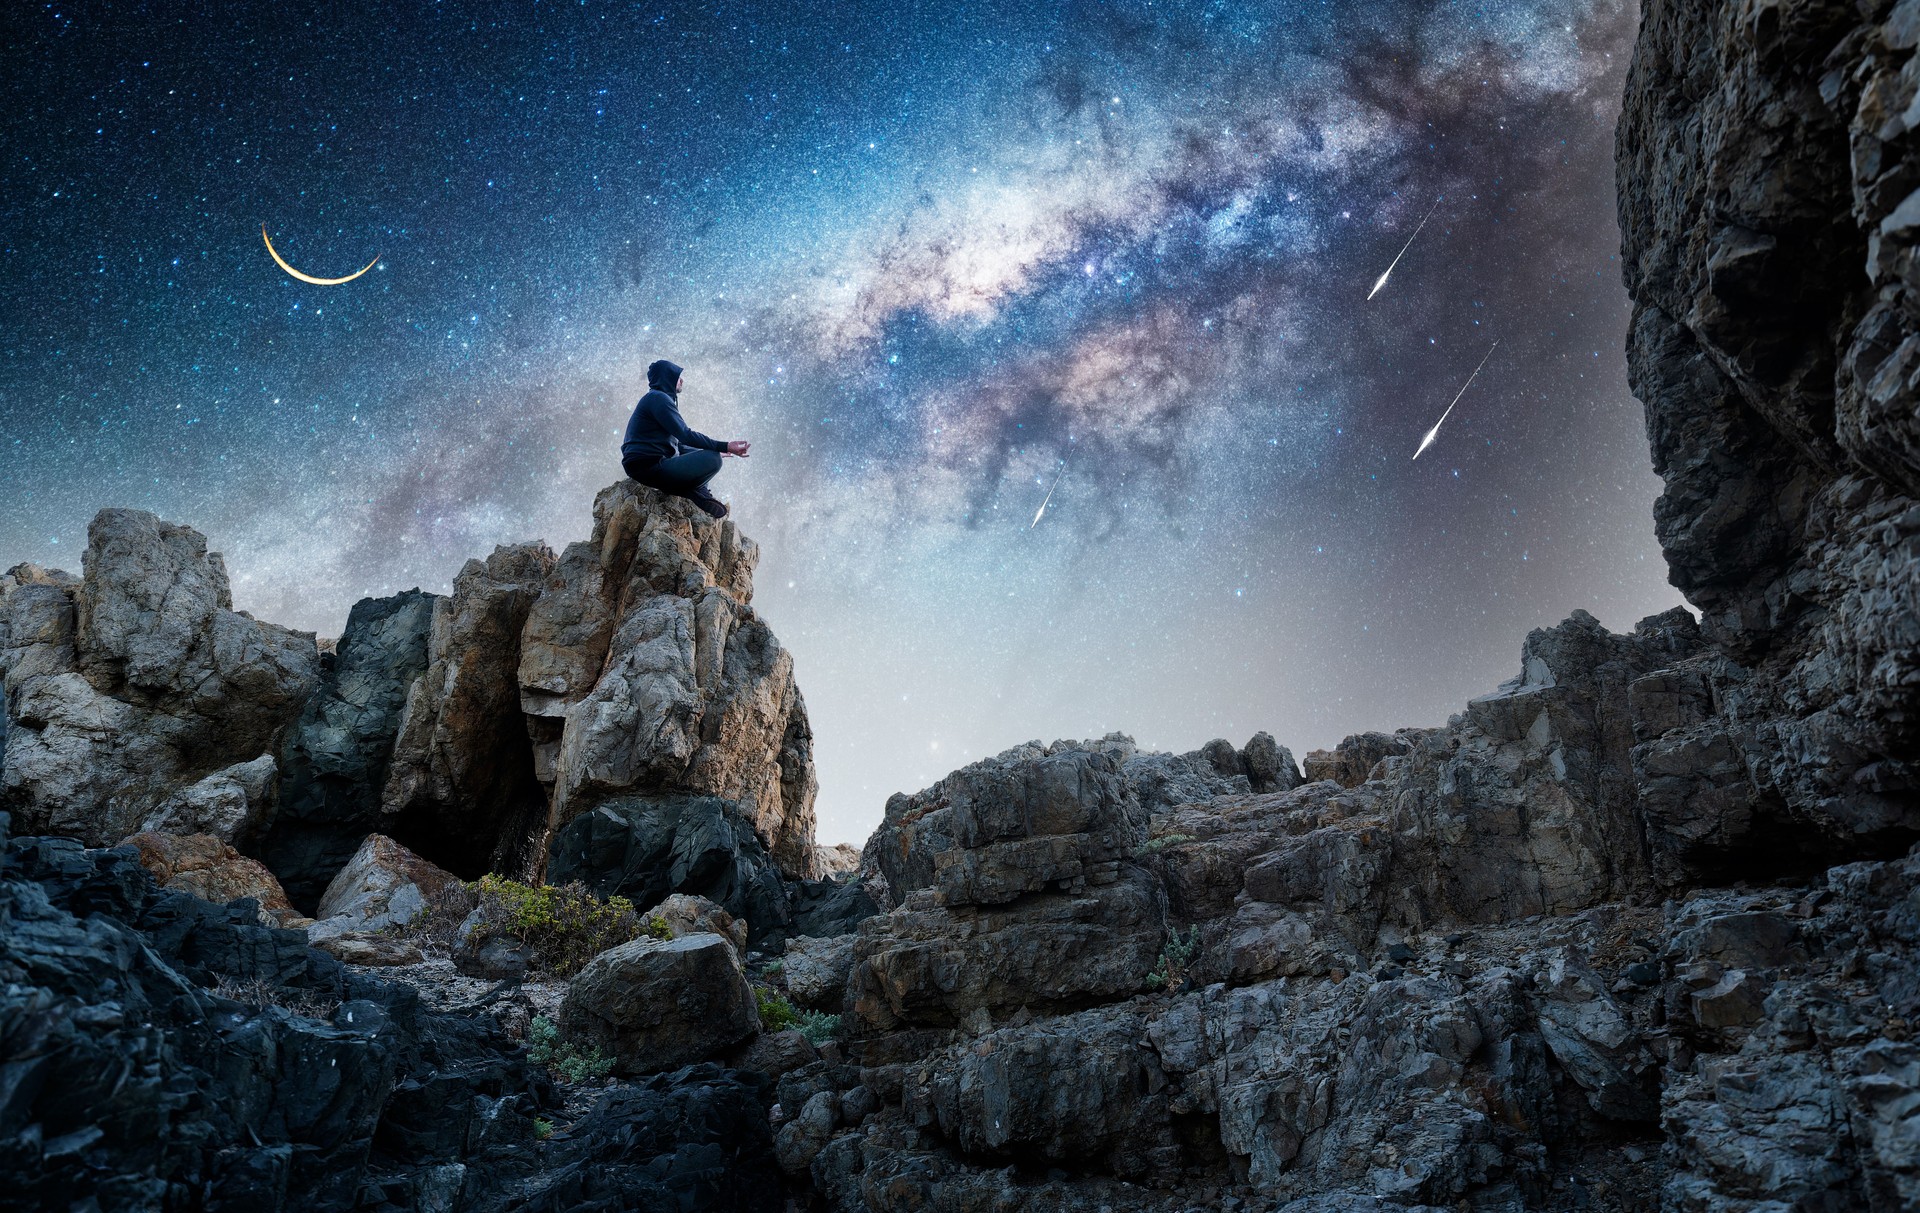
x=662, y=453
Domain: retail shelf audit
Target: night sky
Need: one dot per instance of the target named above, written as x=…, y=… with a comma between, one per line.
x=932, y=260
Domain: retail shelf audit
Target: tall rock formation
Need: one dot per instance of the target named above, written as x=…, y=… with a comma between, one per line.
x=645, y=672
x=1768, y=220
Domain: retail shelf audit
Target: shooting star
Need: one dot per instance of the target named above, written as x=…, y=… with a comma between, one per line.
x=1047, y=498
x=1425, y=442
x=1382, y=280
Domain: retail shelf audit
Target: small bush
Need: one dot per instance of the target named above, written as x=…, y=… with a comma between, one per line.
x=817, y=1026
x=542, y=1128
x=655, y=926
x=1176, y=959
x=776, y=1013
x=564, y=925
x=563, y=1058
x=1154, y=846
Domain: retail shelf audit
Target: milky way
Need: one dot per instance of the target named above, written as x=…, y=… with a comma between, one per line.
x=931, y=261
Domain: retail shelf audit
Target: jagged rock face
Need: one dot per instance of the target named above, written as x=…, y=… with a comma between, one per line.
x=1351, y=763
x=461, y=788
x=1032, y=900
x=905, y=852
x=334, y=763
x=645, y=671
x=164, y=1052
x=1530, y=805
x=133, y=683
x=1767, y=209
x=1434, y=982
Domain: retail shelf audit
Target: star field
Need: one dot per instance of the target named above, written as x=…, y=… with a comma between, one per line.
x=931, y=260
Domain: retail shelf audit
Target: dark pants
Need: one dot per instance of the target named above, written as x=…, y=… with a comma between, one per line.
x=682, y=475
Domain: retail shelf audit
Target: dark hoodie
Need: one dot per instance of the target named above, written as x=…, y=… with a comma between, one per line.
x=656, y=430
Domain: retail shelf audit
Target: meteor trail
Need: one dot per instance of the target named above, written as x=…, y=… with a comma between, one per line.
x=1382, y=280
x=1047, y=498
x=1456, y=400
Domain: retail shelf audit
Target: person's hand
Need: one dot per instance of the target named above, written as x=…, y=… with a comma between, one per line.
x=738, y=448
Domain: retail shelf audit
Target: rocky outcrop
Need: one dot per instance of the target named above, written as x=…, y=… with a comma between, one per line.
x=133, y=683
x=1447, y=983
x=618, y=711
x=646, y=674
x=461, y=787
x=1766, y=203
x=333, y=766
x=231, y=805
x=659, y=1004
x=1033, y=900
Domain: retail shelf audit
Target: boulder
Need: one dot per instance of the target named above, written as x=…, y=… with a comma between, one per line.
x=687, y=915
x=660, y=1004
x=230, y=804
x=1352, y=762
x=333, y=765
x=384, y=885
x=133, y=683
x=648, y=848
x=841, y=859
x=816, y=971
x=208, y=868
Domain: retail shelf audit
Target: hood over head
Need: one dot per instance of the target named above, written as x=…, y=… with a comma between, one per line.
x=664, y=376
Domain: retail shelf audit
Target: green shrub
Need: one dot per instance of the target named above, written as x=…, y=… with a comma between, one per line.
x=563, y=1058
x=776, y=1013
x=1154, y=846
x=542, y=1128
x=817, y=1026
x=1176, y=960
x=655, y=926
x=564, y=925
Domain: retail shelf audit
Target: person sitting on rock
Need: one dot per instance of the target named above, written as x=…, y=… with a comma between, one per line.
x=661, y=452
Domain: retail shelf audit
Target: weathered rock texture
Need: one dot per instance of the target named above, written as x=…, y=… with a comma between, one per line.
x=204, y=866
x=333, y=767
x=1448, y=985
x=133, y=683
x=1768, y=216
x=461, y=784
x=659, y=1004
x=644, y=672
x=385, y=886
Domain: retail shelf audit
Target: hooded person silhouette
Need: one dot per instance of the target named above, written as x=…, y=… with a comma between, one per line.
x=662, y=452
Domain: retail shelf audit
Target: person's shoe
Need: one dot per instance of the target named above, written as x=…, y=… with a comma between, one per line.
x=712, y=505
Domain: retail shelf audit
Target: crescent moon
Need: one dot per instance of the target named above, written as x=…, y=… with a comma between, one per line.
x=282, y=263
